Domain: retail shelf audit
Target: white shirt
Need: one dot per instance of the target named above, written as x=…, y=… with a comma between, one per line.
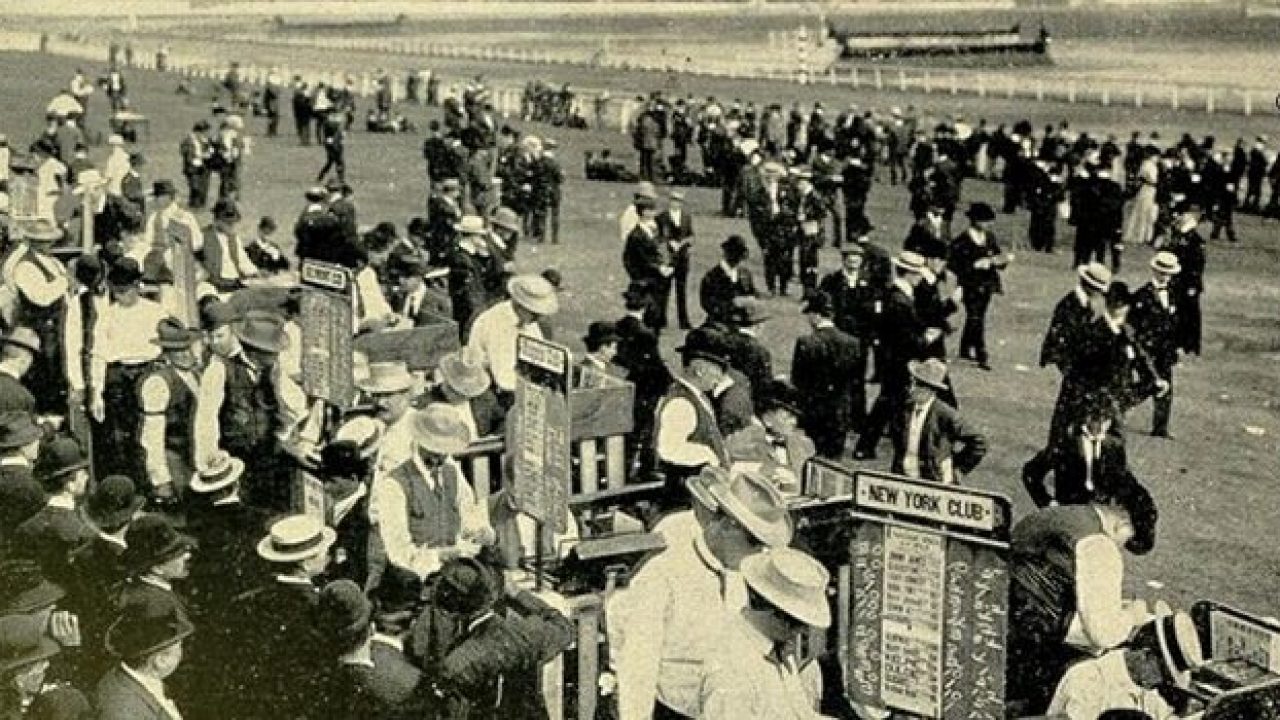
x=1102, y=620
x=397, y=445
x=236, y=265
x=745, y=680
x=213, y=387
x=666, y=623
x=730, y=270
x=493, y=336
x=1095, y=685
x=388, y=511
x=154, y=688
x=31, y=284
x=124, y=335
x=677, y=421
x=155, y=397
x=915, y=429
x=116, y=170
x=370, y=302
x=627, y=221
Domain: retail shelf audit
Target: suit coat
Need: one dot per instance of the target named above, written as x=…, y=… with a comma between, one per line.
x=493, y=670
x=750, y=357
x=120, y=697
x=1074, y=483
x=717, y=291
x=643, y=258
x=945, y=439
x=1155, y=327
x=853, y=306
x=283, y=656
x=52, y=534
x=901, y=336
x=927, y=241
x=393, y=689
x=14, y=395
x=735, y=405
x=640, y=356
x=671, y=231
x=824, y=370
x=964, y=254
x=1067, y=328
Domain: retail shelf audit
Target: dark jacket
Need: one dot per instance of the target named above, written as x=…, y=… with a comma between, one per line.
x=1156, y=327
x=853, y=306
x=643, y=258
x=944, y=436
x=120, y=697
x=964, y=253
x=717, y=291
x=1068, y=326
x=393, y=689
x=52, y=534
x=901, y=338
x=14, y=395
x=824, y=369
x=1074, y=483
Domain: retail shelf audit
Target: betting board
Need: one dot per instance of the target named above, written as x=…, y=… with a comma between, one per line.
x=928, y=615
x=541, y=431
x=24, y=204
x=328, y=328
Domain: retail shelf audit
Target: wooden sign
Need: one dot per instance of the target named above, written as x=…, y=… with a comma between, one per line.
x=24, y=202
x=604, y=410
x=314, y=500
x=930, y=595
x=182, y=262
x=1241, y=673
x=420, y=348
x=327, y=318
x=541, y=431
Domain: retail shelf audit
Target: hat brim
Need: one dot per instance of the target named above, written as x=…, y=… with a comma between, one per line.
x=235, y=471
x=907, y=266
x=176, y=344
x=1166, y=269
x=45, y=648
x=116, y=518
x=1181, y=678
x=67, y=470
x=26, y=437
x=180, y=544
x=185, y=630
x=18, y=343
x=279, y=345
x=913, y=367
x=401, y=384
x=41, y=596
x=691, y=353
x=270, y=554
x=1090, y=280
x=814, y=614
x=469, y=385
x=773, y=534
x=441, y=445
x=539, y=306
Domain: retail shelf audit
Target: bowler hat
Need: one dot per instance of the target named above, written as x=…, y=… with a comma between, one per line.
x=706, y=346
x=439, y=429
x=463, y=371
x=295, y=538
x=506, y=218
x=113, y=502
x=1118, y=295
x=163, y=188
x=1166, y=262
x=262, y=330
x=755, y=504
x=216, y=313
x=124, y=272
x=600, y=333
x=24, y=642
x=534, y=293
x=226, y=210
x=23, y=337
x=19, y=501
x=386, y=378
x=171, y=334
x=147, y=626
x=18, y=428
x=853, y=247
x=150, y=541
x=464, y=586
x=342, y=460
x=1095, y=275
x=981, y=212
x=417, y=227
x=315, y=193
x=735, y=247
x=930, y=373
x=782, y=395
x=220, y=471
x=343, y=610
x=793, y=582
x=58, y=458
x=23, y=588
x=645, y=189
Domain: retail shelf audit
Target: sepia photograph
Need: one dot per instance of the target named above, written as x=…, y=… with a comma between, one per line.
x=639, y=360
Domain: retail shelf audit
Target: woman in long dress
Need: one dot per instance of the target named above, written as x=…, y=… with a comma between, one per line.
x=1139, y=226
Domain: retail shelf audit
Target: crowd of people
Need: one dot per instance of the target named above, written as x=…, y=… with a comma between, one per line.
x=154, y=429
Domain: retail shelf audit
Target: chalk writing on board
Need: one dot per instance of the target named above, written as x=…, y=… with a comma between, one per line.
x=954, y=689
x=868, y=560
x=911, y=620
x=990, y=620
x=1236, y=639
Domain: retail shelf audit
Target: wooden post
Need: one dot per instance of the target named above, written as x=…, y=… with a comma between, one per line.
x=982, y=85
x=1106, y=96
x=1248, y=103
x=588, y=465
x=879, y=79
x=1208, y=101
x=1173, y=97
x=615, y=454
x=927, y=82
x=1137, y=98
x=480, y=478
x=588, y=661
x=844, y=596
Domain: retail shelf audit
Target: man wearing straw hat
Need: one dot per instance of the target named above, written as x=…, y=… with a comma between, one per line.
x=756, y=674
x=424, y=510
x=493, y=335
x=678, y=606
x=167, y=397
x=249, y=406
x=464, y=385
x=391, y=389
x=1154, y=318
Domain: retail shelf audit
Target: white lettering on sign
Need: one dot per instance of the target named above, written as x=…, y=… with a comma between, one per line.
x=541, y=354
x=937, y=504
x=912, y=621
x=325, y=275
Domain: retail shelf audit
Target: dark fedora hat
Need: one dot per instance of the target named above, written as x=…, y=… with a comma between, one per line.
x=226, y=210
x=600, y=333
x=23, y=587
x=20, y=500
x=782, y=395
x=981, y=212
x=124, y=273
x=464, y=586
x=18, y=428
x=147, y=626
x=23, y=642
x=734, y=246
x=634, y=298
x=171, y=334
x=58, y=458
x=706, y=346
x=150, y=541
x=113, y=502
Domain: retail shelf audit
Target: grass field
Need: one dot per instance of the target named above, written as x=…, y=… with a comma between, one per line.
x=1215, y=483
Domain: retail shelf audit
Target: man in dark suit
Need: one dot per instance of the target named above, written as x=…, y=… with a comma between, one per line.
x=18, y=350
x=317, y=234
x=19, y=447
x=746, y=353
x=648, y=265
x=902, y=339
x=1188, y=245
x=1090, y=457
x=147, y=637
x=196, y=150
x=931, y=441
x=1072, y=316
x=976, y=260
x=675, y=227
x=854, y=295
x=641, y=358
x=809, y=211
x=58, y=529
x=492, y=671
x=828, y=368
x=1154, y=319
x=597, y=367
x=155, y=556
x=925, y=236
x=729, y=280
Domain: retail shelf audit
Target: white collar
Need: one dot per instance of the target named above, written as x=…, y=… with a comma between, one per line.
x=728, y=269
x=480, y=621
x=823, y=324
x=1082, y=296
x=112, y=539
x=15, y=461
x=294, y=580
x=360, y=657
x=232, y=499
x=153, y=686
x=391, y=640
x=10, y=372
x=904, y=286
x=154, y=581
x=66, y=501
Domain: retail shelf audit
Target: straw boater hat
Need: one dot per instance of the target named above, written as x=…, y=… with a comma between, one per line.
x=41, y=230
x=386, y=378
x=438, y=429
x=364, y=432
x=931, y=373
x=507, y=219
x=1095, y=275
x=147, y=627
x=220, y=472
x=791, y=581
x=534, y=293
x=1175, y=638
x=754, y=503
x=909, y=261
x=25, y=338
x=294, y=539
x=471, y=225
x=1166, y=262
x=464, y=372
x=645, y=189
